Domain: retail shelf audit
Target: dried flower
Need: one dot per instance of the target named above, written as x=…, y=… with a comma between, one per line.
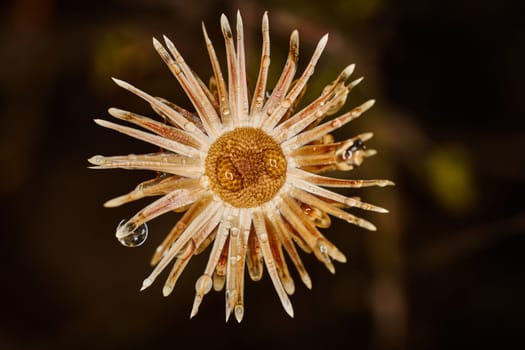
x=244, y=173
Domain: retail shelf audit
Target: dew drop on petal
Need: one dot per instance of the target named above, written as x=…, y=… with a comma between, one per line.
x=134, y=238
x=336, y=123
x=234, y=231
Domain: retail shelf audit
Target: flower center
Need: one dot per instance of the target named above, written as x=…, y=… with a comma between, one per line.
x=245, y=167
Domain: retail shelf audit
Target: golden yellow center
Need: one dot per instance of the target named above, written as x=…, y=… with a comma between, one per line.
x=245, y=167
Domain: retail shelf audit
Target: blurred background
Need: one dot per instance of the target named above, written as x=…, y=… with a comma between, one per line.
x=445, y=268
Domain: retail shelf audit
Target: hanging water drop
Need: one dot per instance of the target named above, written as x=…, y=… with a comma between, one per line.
x=133, y=238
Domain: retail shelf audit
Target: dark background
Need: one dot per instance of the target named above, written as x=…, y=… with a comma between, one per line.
x=445, y=268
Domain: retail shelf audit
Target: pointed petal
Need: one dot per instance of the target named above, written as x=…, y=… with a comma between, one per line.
x=160, y=141
x=280, y=263
x=210, y=216
x=158, y=186
x=173, y=115
x=319, y=191
x=190, y=85
x=221, y=85
x=160, y=129
x=285, y=80
x=284, y=235
x=231, y=58
x=164, y=162
x=262, y=235
x=190, y=214
x=232, y=267
x=316, y=110
x=330, y=209
x=276, y=115
x=242, y=93
x=325, y=128
x=205, y=282
x=180, y=263
x=326, y=181
x=260, y=86
x=254, y=258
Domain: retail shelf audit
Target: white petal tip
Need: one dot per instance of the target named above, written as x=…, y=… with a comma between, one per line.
x=118, y=81
x=147, y=282
x=366, y=136
x=103, y=123
x=370, y=152
x=96, y=160
x=355, y=82
x=322, y=43
x=166, y=290
x=370, y=227
x=239, y=313
x=224, y=21
x=196, y=304
x=265, y=21
x=307, y=282
x=349, y=70
x=112, y=203
x=289, y=309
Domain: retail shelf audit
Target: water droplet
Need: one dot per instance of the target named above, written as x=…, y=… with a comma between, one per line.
x=189, y=127
x=336, y=123
x=263, y=238
x=133, y=238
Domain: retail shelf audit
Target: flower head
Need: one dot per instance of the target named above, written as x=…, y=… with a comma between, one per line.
x=244, y=171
